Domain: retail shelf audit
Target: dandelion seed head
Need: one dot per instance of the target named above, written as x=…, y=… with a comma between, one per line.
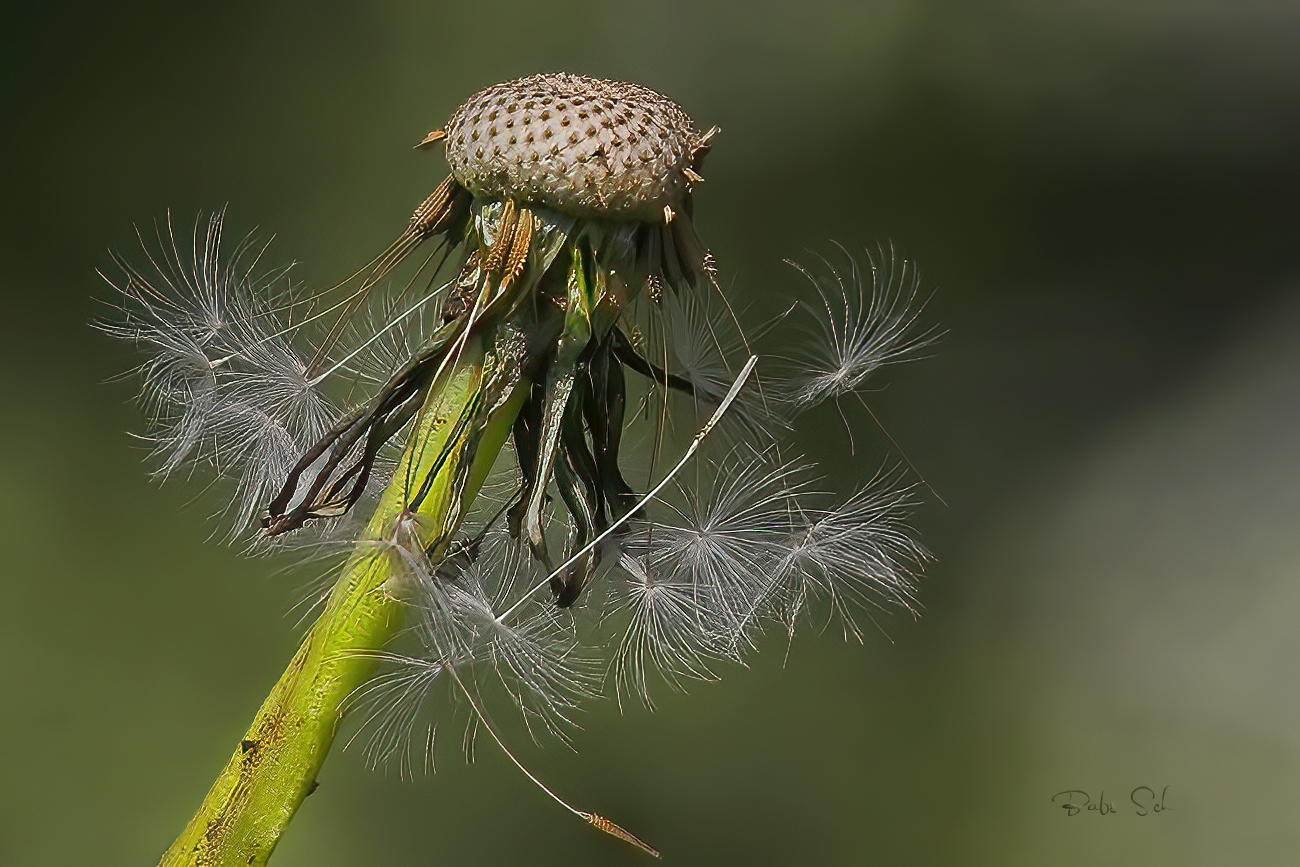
x=580, y=145
x=578, y=296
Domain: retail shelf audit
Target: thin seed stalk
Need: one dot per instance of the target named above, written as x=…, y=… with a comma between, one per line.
x=275, y=765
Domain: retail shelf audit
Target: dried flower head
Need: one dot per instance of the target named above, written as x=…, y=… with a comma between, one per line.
x=494, y=410
x=580, y=145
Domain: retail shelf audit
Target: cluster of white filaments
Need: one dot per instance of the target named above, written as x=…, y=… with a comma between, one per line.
x=743, y=537
x=223, y=385
x=865, y=321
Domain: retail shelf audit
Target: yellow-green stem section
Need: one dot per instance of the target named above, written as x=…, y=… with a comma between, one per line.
x=275, y=765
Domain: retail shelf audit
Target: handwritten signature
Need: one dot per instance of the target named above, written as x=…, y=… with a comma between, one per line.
x=1143, y=798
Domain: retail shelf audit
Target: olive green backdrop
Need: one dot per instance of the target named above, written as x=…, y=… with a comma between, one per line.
x=1103, y=196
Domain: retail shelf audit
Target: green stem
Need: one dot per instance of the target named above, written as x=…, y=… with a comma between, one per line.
x=275, y=765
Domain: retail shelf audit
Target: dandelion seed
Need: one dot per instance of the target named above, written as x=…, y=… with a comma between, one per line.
x=866, y=322
x=859, y=554
x=223, y=386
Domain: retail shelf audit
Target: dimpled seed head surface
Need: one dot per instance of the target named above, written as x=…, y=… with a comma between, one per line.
x=583, y=146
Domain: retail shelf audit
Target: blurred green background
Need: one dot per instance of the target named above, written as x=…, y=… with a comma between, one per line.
x=1103, y=195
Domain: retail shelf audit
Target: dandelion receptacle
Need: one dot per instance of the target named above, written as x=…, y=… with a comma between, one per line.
x=486, y=426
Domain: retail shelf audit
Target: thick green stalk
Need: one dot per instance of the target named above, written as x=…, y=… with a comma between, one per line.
x=275, y=765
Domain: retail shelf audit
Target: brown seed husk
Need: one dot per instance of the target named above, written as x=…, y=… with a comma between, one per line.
x=584, y=146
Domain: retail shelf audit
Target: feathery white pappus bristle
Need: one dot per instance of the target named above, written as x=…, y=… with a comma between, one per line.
x=222, y=385
x=859, y=554
x=463, y=617
x=749, y=544
x=866, y=321
x=703, y=345
x=695, y=338
x=393, y=708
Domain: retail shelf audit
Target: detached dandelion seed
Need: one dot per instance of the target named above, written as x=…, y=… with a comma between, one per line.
x=867, y=320
x=462, y=433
